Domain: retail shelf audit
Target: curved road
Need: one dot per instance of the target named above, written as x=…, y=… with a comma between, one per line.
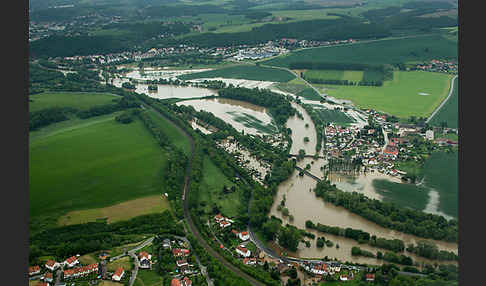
x=444, y=101
x=188, y=218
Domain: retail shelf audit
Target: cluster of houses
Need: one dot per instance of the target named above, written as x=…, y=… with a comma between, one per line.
x=180, y=254
x=181, y=282
x=223, y=222
x=439, y=66
x=344, y=272
x=81, y=271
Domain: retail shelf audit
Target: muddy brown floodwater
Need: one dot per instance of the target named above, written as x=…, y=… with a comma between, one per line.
x=304, y=205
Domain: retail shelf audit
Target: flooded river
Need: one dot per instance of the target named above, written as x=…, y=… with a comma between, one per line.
x=304, y=205
x=299, y=131
x=250, y=118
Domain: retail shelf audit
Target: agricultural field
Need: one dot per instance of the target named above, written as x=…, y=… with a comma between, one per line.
x=250, y=72
x=418, y=48
x=79, y=100
x=335, y=116
x=298, y=88
x=122, y=211
x=408, y=94
x=449, y=113
x=92, y=166
x=441, y=174
x=211, y=190
x=354, y=76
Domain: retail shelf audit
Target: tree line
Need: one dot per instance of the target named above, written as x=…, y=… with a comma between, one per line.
x=389, y=215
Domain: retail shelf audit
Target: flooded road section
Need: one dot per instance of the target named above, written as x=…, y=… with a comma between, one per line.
x=299, y=132
x=243, y=116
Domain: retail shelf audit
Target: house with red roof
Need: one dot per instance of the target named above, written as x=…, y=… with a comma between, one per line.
x=250, y=261
x=48, y=277
x=52, y=265
x=117, y=276
x=370, y=277
x=71, y=261
x=42, y=284
x=218, y=218
x=244, y=235
x=241, y=250
x=144, y=259
x=33, y=270
x=224, y=224
x=180, y=252
x=181, y=282
x=390, y=151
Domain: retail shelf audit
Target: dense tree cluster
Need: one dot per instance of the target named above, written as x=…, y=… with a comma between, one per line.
x=431, y=251
x=277, y=104
x=44, y=117
x=62, y=242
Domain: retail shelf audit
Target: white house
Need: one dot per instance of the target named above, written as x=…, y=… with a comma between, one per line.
x=224, y=224
x=118, y=274
x=244, y=235
x=241, y=250
x=181, y=263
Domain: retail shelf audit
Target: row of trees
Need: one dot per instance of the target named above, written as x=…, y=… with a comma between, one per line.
x=62, y=242
x=389, y=215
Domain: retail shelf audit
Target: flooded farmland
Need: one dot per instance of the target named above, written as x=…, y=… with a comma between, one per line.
x=165, y=91
x=243, y=116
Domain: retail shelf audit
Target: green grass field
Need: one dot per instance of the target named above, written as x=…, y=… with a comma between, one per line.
x=78, y=100
x=387, y=51
x=335, y=116
x=249, y=72
x=441, y=174
x=175, y=136
x=354, y=76
x=91, y=166
x=404, y=195
x=409, y=93
x=450, y=111
x=211, y=190
x=146, y=277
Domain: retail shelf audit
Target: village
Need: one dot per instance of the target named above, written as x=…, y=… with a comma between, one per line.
x=439, y=66
x=74, y=272
x=380, y=147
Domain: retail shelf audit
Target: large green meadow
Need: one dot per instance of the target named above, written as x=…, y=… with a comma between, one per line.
x=388, y=51
x=349, y=75
x=414, y=93
x=79, y=100
x=250, y=72
x=92, y=166
x=449, y=113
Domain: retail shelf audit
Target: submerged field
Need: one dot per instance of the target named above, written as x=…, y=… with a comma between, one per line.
x=408, y=94
x=449, y=113
x=391, y=51
x=249, y=72
x=91, y=166
x=439, y=174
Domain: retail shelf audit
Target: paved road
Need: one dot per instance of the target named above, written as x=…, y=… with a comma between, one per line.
x=444, y=101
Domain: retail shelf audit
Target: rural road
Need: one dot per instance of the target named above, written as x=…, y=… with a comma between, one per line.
x=135, y=258
x=190, y=223
x=444, y=101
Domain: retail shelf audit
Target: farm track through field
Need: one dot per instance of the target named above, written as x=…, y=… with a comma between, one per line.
x=188, y=218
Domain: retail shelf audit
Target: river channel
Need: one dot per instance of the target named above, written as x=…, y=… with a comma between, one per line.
x=304, y=205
